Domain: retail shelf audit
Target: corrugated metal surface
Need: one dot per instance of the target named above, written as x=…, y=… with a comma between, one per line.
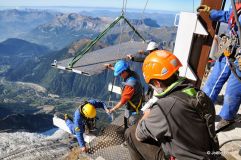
x=93, y=62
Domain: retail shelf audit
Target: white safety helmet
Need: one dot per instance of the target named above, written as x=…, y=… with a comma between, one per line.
x=151, y=46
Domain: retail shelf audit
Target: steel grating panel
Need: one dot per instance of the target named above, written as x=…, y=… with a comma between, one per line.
x=93, y=62
x=107, y=145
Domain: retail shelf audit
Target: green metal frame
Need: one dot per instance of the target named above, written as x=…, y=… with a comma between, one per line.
x=81, y=53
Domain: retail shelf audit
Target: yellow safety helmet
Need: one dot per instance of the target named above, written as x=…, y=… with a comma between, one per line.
x=88, y=110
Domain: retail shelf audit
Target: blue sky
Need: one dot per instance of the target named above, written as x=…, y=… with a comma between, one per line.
x=170, y=5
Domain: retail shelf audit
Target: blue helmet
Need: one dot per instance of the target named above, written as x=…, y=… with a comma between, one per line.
x=120, y=66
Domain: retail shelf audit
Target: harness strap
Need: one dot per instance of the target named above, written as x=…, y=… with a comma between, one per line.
x=231, y=20
x=134, y=106
x=232, y=68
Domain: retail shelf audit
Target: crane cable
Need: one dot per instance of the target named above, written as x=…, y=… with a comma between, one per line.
x=123, y=11
x=193, y=6
x=142, y=18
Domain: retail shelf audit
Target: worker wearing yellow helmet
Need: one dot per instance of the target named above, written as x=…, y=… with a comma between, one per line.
x=84, y=117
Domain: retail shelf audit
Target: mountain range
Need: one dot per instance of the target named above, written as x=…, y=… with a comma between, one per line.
x=57, y=30
x=14, y=23
x=66, y=34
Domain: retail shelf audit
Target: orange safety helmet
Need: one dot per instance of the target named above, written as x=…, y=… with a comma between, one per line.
x=161, y=65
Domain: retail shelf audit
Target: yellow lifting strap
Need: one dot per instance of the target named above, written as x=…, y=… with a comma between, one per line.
x=135, y=107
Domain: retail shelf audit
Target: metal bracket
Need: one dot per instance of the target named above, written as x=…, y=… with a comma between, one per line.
x=188, y=26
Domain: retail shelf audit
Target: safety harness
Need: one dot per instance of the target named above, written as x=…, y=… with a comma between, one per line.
x=131, y=81
x=231, y=48
x=134, y=106
x=201, y=103
x=232, y=21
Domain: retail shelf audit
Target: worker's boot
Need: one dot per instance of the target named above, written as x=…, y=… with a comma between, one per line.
x=222, y=124
x=59, y=115
x=124, y=144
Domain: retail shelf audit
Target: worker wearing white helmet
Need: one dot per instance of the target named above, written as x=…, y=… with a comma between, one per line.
x=152, y=46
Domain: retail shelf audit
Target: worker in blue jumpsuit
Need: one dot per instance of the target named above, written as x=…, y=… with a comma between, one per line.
x=85, y=113
x=221, y=72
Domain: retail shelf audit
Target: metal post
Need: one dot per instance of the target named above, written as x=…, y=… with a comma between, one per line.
x=201, y=45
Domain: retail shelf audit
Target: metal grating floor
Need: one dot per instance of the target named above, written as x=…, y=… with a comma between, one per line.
x=93, y=62
x=108, y=145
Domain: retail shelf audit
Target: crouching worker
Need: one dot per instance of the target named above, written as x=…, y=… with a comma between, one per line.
x=180, y=125
x=84, y=117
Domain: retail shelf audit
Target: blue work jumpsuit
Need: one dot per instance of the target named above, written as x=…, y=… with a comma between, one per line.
x=77, y=125
x=221, y=73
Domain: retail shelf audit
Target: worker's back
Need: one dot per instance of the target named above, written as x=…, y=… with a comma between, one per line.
x=189, y=135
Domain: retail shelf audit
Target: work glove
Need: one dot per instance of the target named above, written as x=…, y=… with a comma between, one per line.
x=203, y=8
x=66, y=116
x=109, y=66
x=129, y=56
x=83, y=149
x=141, y=51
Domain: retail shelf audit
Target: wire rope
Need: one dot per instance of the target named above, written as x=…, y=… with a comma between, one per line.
x=142, y=18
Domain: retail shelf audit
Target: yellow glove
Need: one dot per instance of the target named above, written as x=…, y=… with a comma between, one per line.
x=77, y=129
x=66, y=116
x=203, y=8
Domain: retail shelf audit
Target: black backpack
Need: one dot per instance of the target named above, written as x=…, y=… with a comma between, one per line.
x=201, y=103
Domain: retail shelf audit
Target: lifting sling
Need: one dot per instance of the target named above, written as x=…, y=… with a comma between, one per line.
x=94, y=41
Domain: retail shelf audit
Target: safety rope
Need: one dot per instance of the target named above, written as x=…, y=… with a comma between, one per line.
x=125, y=6
x=120, y=39
x=111, y=91
x=121, y=24
x=142, y=17
x=193, y=6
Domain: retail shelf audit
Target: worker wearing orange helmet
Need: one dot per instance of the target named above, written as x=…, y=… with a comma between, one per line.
x=174, y=126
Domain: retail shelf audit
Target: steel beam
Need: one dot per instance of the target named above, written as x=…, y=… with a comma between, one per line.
x=201, y=45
